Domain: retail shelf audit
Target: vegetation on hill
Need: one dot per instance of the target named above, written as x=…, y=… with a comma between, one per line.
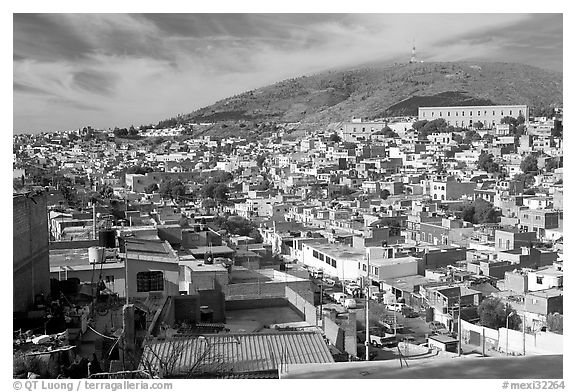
x=385, y=91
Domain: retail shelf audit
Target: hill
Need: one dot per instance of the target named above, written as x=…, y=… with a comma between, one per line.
x=388, y=90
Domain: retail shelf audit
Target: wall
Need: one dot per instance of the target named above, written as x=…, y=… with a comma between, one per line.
x=540, y=343
x=74, y=244
x=238, y=304
x=303, y=302
x=31, y=265
x=341, y=331
x=263, y=289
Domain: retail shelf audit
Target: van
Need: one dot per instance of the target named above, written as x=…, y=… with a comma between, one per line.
x=350, y=303
x=339, y=297
x=396, y=307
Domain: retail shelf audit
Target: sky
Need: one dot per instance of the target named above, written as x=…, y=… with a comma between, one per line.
x=107, y=70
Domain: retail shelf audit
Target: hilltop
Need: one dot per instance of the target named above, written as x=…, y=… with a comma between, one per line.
x=387, y=90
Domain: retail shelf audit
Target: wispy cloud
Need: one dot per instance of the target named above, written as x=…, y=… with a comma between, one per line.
x=142, y=68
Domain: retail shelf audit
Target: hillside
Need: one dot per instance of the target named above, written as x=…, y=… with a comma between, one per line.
x=387, y=90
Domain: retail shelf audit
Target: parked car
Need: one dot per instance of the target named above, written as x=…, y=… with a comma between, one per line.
x=339, y=297
x=396, y=307
x=317, y=274
x=409, y=312
x=329, y=282
x=438, y=328
x=377, y=296
x=353, y=289
x=350, y=303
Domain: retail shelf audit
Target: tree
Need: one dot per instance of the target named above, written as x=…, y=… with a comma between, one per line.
x=471, y=136
x=437, y=125
x=529, y=164
x=509, y=120
x=493, y=314
x=151, y=188
x=173, y=189
x=349, y=145
x=558, y=128
x=107, y=192
x=555, y=323
x=418, y=125
x=335, y=138
x=552, y=164
x=457, y=138
x=488, y=138
x=260, y=160
x=384, y=194
x=478, y=125
x=139, y=170
x=220, y=192
x=526, y=178
x=123, y=132
x=486, y=162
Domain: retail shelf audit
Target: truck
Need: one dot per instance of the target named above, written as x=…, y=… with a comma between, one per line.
x=380, y=338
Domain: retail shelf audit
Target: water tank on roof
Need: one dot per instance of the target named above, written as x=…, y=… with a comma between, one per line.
x=96, y=255
x=107, y=238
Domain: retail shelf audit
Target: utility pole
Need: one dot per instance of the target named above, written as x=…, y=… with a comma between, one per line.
x=367, y=287
x=321, y=302
x=94, y=219
x=126, y=270
x=459, y=321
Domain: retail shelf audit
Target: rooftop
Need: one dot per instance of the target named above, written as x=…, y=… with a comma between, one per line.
x=338, y=251
x=237, y=353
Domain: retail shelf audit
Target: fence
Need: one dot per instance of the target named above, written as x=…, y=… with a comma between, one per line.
x=511, y=341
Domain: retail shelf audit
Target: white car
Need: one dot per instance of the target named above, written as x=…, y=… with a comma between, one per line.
x=396, y=307
x=353, y=289
x=339, y=297
x=350, y=303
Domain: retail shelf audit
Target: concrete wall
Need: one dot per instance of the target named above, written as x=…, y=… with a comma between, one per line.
x=263, y=289
x=74, y=244
x=341, y=332
x=540, y=343
x=303, y=302
x=238, y=304
x=31, y=266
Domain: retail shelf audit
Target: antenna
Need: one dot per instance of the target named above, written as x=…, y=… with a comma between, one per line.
x=413, y=57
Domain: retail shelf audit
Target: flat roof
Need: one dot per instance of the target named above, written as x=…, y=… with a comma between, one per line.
x=395, y=260
x=443, y=339
x=197, y=266
x=337, y=251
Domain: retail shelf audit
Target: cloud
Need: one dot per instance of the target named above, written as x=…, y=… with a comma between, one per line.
x=153, y=66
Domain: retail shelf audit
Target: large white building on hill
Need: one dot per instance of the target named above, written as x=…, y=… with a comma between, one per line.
x=466, y=116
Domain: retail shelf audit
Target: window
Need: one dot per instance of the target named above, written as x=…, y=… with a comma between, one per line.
x=478, y=112
x=448, y=113
x=470, y=112
x=501, y=112
x=110, y=279
x=375, y=270
x=463, y=113
x=149, y=281
x=493, y=112
x=440, y=114
x=510, y=112
x=484, y=112
x=333, y=263
x=456, y=114
x=321, y=256
x=432, y=114
x=539, y=279
x=315, y=254
x=363, y=267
